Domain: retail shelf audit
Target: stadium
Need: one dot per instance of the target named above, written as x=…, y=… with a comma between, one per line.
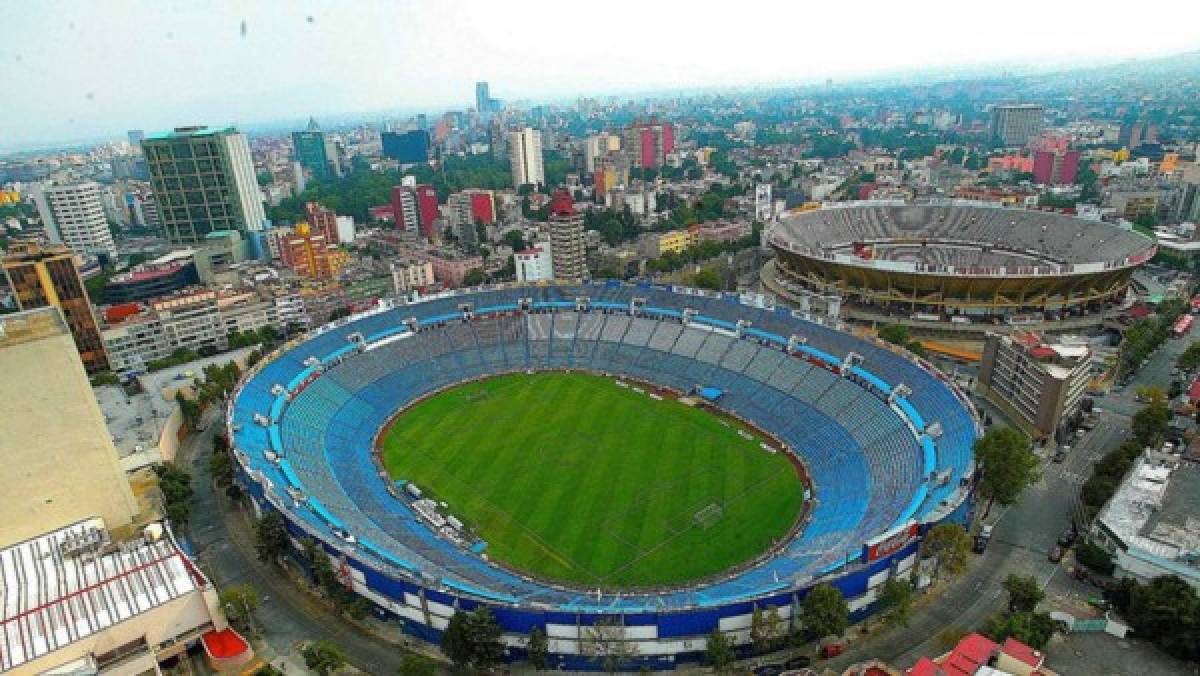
x=956, y=265
x=405, y=440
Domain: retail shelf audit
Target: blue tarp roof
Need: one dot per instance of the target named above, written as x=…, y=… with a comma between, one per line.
x=711, y=393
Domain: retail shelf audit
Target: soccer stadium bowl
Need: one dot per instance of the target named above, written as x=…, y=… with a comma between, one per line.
x=884, y=439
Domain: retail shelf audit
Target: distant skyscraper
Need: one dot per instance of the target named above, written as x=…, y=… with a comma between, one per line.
x=1016, y=124
x=483, y=98
x=203, y=181
x=76, y=216
x=135, y=138
x=525, y=154
x=315, y=151
x=568, y=246
x=49, y=277
x=407, y=147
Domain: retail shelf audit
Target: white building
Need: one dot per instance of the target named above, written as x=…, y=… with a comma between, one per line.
x=410, y=276
x=525, y=154
x=534, y=264
x=346, y=230
x=1151, y=525
x=75, y=216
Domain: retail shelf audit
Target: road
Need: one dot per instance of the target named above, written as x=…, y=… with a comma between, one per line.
x=1022, y=537
x=222, y=541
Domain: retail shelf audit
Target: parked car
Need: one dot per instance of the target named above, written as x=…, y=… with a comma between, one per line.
x=1056, y=554
x=1059, y=456
x=1067, y=538
x=798, y=662
x=980, y=545
x=768, y=670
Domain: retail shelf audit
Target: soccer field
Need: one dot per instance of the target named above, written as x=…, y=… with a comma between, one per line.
x=570, y=477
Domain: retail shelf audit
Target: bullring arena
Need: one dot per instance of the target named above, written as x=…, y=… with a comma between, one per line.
x=955, y=266
x=847, y=450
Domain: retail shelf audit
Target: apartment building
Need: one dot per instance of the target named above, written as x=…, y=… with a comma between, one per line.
x=1040, y=383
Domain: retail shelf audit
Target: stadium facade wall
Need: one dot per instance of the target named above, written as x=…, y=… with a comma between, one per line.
x=663, y=640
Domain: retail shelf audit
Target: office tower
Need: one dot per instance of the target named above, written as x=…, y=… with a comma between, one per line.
x=525, y=154
x=483, y=98
x=136, y=136
x=43, y=277
x=408, y=147
x=1016, y=124
x=427, y=206
x=75, y=214
x=203, y=181
x=568, y=250
x=422, y=122
x=1055, y=168
x=60, y=463
x=315, y=151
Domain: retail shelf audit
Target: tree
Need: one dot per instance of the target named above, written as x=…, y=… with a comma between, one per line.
x=1008, y=465
x=1190, y=359
x=605, y=643
x=176, y=486
x=1094, y=557
x=825, y=612
x=1023, y=592
x=718, y=653
x=413, y=664
x=324, y=657
x=472, y=640
x=474, y=277
x=1167, y=611
x=766, y=628
x=538, y=648
x=1151, y=422
x=896, y=601
x=950, y=544
x=707, y=278
x=1032, y=629
x=239, y=603
x=271, y=537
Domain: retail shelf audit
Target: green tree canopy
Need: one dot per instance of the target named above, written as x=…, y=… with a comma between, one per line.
x=895, y=600
x=324, y=657
x=472, y=640
x=239, y=603
x=825, y=612
x=1008, y=464
x=1032, y=629
x=1024, y=593
x=270, y=537
x=951, y=545
x=718, y=653
x=538, y=649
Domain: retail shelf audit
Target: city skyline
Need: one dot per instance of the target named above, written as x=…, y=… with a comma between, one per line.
x=247, y=64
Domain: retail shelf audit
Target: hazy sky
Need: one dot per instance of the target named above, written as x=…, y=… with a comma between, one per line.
x=85, y=68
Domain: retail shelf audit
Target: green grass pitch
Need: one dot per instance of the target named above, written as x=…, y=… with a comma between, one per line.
x=570, y=477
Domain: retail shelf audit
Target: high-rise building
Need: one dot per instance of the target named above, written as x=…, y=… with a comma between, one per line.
x=1038, y=383
x=1015, y=124
x=405, y=209
x=323, y=221
x=406, y=147
x=48, y=277
x=483, y=98
x=74, y=216
x=203, y=181
x=525, y=154
x=311, y=255
x=316, y=152
x=136, y=136
x=649, y=143
x=1055, y=168
x=568, y=246
x=427, y=206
